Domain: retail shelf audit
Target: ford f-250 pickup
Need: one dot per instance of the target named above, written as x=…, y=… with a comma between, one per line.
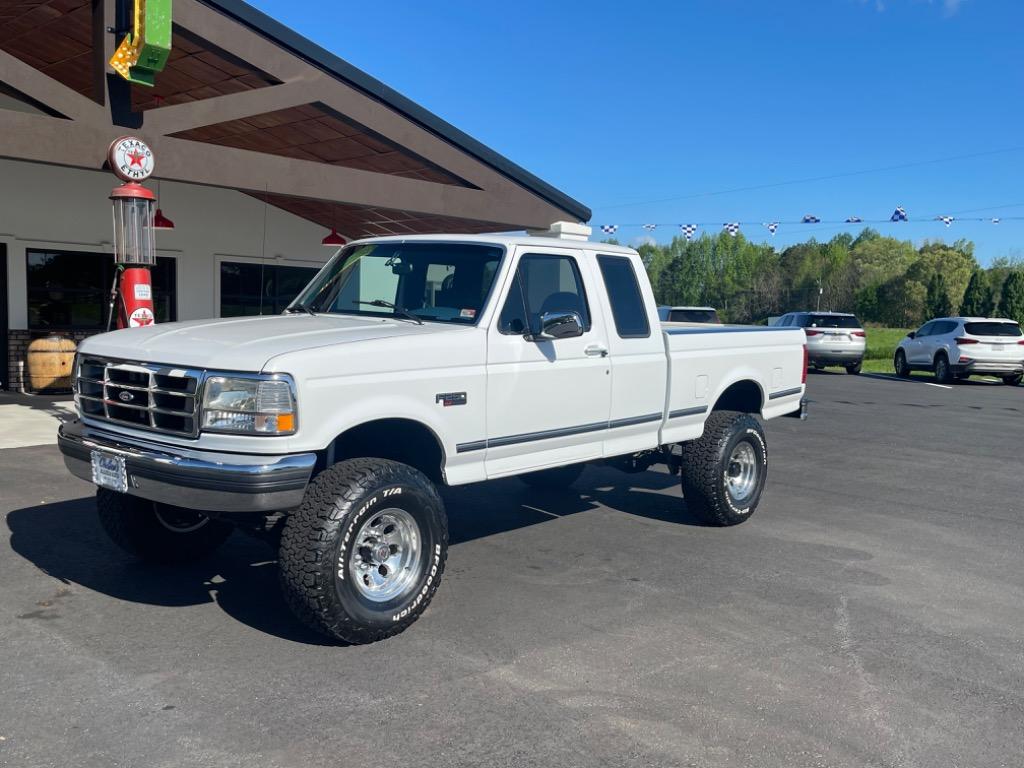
x=404, y=364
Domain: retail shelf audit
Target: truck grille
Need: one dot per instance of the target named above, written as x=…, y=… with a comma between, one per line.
x=152, y=397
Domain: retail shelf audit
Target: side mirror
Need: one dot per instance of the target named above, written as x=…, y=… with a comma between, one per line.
x=912, y=334
x=558, y=325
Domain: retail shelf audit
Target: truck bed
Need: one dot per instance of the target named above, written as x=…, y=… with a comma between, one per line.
x=702, y=364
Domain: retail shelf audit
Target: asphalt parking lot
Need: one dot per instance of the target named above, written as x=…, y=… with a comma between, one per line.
x=871, y=613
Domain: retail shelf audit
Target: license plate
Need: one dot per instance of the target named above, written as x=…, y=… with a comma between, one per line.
x=840, y=337
x=108, y=471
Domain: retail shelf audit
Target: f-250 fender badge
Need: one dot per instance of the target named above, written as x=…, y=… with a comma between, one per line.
x=450, y=398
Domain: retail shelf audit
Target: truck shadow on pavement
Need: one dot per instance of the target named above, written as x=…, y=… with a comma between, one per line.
x=65, y=541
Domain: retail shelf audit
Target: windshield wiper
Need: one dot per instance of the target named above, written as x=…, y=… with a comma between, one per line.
x=301, y=308
x=393, y=307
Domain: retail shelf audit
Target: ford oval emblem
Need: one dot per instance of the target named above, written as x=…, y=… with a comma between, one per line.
x=125, y=396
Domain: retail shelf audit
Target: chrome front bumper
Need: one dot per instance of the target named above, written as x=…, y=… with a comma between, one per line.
x=201, y=480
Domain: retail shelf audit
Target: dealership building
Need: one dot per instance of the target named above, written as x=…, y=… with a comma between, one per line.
x=264, y=142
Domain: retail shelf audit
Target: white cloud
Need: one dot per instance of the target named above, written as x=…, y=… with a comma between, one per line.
x=636, y=242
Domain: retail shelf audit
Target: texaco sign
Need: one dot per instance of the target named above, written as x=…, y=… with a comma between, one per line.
x=130, y=159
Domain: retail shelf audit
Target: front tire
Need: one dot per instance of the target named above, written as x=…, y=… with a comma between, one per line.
x=943, y=372
x=1013, y=379
x=158, y=533
x=363, y=555
x=724, y=470
x=554, y=479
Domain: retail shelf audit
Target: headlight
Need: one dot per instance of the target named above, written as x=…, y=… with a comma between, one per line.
x=253, y=405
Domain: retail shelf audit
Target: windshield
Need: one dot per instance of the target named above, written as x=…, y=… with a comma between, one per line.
x=442, y=282
x=831, y=321
x=992, y=329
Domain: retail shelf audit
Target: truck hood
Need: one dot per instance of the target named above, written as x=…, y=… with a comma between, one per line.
x=247, y=343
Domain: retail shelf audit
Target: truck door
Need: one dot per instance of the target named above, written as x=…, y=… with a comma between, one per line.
x=547, y=401
x=637, y=352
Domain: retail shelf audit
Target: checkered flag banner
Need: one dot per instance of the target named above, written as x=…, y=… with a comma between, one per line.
x=995, y=221
x=609, y=229
x=810, y=219
x=854, y=219
x=947, y=220
x=899, y=215
x=732, y=227
x=772, y=226
x=650, y=227
x=688, y=230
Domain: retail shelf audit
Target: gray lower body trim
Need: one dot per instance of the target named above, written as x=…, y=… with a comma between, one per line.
x=785, y=393
x=548, y=434
x=688, y=412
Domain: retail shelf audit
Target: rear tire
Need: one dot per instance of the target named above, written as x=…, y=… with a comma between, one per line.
x=943, y=372
x=362, y=556
x=1013, y=379
x=555, y=478
x=899, y=364
x=724, y=470
x=854, y=368
x=158, y=533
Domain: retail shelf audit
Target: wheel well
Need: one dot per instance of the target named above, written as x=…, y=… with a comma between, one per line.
x=743, y=396
x=403, y=440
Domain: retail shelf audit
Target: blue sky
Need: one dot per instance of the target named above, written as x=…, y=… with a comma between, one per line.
x=621, y=103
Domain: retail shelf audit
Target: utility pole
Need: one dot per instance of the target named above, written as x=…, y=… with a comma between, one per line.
x=818, y=309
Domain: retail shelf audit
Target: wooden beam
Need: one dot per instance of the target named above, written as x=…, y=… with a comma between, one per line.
x=84, y=144
x=46, y=90
x=164, y=121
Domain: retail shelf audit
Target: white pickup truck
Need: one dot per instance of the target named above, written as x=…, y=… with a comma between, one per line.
x=407, y=363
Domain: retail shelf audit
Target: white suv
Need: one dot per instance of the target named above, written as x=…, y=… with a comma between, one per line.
x=958, y=347
x=833, y=338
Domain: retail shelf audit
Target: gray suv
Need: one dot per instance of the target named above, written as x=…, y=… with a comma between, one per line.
x=833, y=338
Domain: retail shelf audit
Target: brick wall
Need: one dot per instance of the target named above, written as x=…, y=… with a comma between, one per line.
x=17, y=349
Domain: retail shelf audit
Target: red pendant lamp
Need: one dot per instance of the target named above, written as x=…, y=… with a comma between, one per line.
x=159, y=220
x=333, y=240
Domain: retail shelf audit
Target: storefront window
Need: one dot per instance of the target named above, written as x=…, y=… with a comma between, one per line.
x=259, y=289
x=71, y=291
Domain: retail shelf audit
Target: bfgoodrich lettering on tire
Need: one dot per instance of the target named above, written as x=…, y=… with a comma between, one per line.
x=724, y=470
x=363, y=554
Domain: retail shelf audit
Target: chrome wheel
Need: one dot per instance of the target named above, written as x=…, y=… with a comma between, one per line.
x=179, y=520
x=387, y=555
x=741, y=472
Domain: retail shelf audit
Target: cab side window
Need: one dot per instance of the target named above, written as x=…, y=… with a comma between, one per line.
x=543, y=283
x=925, y=330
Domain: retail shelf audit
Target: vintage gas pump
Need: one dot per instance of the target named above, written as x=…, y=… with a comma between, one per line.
x=131, y=295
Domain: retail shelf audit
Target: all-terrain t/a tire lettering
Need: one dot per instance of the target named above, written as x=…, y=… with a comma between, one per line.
x=345, y=559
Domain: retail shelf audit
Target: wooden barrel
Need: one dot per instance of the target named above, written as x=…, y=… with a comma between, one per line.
x=49, y=364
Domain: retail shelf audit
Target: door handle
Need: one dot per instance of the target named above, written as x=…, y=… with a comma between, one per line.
x=596, y=350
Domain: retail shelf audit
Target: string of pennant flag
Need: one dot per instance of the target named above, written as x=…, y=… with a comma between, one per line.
x=733, y=227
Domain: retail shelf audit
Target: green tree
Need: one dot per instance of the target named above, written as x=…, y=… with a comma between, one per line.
x=937, y=301
x=1011, y=302
x=955, y=263
x=978, y=300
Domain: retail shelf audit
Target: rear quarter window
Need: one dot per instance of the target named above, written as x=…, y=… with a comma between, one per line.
x=992, y=329
x=628, y=309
